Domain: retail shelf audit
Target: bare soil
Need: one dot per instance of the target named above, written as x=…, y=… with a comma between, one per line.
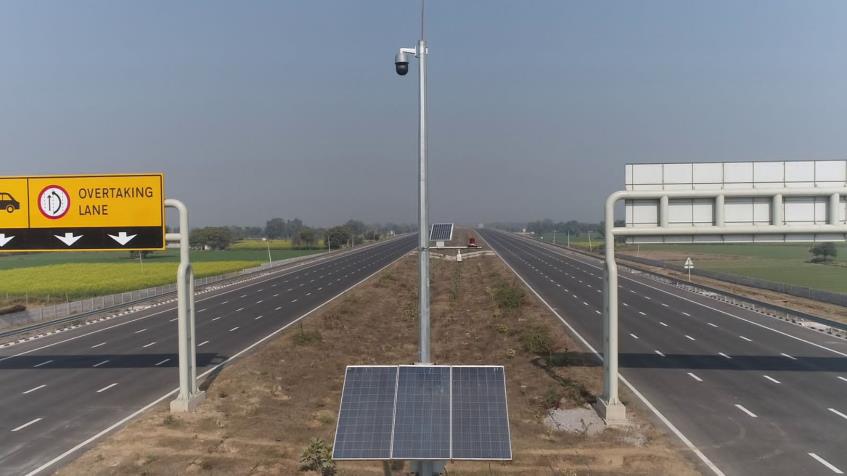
x=262, y=410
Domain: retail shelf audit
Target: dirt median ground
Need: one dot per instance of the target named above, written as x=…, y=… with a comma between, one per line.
x=263, y=410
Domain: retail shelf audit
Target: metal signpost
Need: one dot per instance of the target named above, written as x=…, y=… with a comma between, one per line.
x=689, y=265
x=104, y=213
x=82, y=213
x=777, y=228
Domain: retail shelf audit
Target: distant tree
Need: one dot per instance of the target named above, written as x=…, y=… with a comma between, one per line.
x=823, y=252
x=214, y=237
x=338, y=236
x=275, y=228
x=307, y=237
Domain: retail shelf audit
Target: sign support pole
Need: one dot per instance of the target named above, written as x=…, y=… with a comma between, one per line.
x=189, y=396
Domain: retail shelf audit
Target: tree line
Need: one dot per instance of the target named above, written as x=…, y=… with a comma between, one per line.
x=300, y=235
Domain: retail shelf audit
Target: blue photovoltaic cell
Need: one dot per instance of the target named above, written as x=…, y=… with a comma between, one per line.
x=422, y=421
x=367, y=414
x=441, y=232
x=480, y=416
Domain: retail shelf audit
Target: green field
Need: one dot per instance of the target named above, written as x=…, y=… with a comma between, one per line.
x=783, y=263
x=59, y=276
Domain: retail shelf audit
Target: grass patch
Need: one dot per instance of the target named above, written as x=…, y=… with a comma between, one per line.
x=508, y=297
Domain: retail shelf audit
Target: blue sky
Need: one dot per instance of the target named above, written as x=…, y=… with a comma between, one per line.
x=281, y=108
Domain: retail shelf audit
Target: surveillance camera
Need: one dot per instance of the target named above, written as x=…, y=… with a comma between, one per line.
x=401, y=63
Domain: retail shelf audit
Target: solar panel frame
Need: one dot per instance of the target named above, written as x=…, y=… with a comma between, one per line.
x=500, y=441
x=441, y=232
x=357, y=446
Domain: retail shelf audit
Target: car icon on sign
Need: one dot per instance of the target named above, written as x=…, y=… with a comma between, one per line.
x=8, y=202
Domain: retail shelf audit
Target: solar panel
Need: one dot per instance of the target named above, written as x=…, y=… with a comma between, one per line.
x=422, y=419
x=441, y=232
x=423, y=412
x=480, y=416
x=366, y=417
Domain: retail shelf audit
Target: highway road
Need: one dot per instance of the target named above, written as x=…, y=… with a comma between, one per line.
x=65, y=389
x=753, y=394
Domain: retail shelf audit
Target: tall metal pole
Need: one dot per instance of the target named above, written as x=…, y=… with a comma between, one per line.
x=423, y=210
x=189, y=395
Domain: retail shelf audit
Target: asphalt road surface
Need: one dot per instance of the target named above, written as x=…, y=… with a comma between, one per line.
x=755, y=395
x=64, y=389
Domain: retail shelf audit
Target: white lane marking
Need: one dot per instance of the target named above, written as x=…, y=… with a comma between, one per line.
x=107, y=387
x=642, y=313
x=626, y=382
x=648, y=298
x=826, y=463
x=162, y=362
x=308, y=294
x=257, y=317
x=42, y=386
x=276, y=295
x=695, y=377
x=724, y=355
x=574, y=295
x=741, y=407
x=239, y=309
x=201, y=310
x=290, y=289
x=216, y=318
x=234, y=329
x=745, y=338
x=98, y=364
x=225, y=302
x=597, y=312
x=42, y=363
x=243, y=296
x=585, y=303
x=148, y=345
x=277, y=308
x=665, y=305
x=294, y=300
x=626, y=305
x=686, y=314
x=662, y=323
x=713, y=325
x=140, y=331
x=260, y=301
x=659, y=353
x=162, y=398
x=689, y=337
x=98, y=345
x=172, y=320
x=673, y=294
x=202, y=343
x=771, y=379
x=842, y=378
x=633, y=335
x=830, y=409
x=789, y=356
x=32, y=422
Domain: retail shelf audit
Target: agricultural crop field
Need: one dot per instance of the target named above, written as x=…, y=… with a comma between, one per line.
x=50, y=277
x=783, y=263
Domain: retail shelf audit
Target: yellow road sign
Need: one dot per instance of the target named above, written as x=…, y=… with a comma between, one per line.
x=82, y=212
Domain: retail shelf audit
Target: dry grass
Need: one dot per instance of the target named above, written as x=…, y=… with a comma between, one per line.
x=263, y=410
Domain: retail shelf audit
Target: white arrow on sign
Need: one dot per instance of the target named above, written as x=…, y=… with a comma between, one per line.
x=122, y=238
x=688, y=263
x=4, y=239
x=69, y=238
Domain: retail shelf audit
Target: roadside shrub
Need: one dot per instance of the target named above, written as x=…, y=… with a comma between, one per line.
x=536, y=340
x=552, y=397
x=307, y=337
x=508, y=297
x=318, y=457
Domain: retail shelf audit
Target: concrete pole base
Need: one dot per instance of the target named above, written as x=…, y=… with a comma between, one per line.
x=613, y=414
x=188, y=405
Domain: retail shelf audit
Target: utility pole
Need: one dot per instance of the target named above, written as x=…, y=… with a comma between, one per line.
x=554, y=236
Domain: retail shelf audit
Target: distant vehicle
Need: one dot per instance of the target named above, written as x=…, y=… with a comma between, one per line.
x=8, y=202
x=472, y=242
